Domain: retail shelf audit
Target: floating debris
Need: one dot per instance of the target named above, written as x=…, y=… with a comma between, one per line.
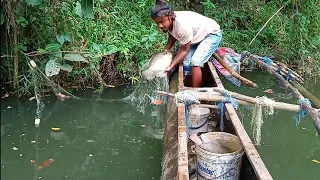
x=15, y=148
x=315, y=161
x=270, y=91
x=37, y=122
x=5, y=95
x=32, y=98
x=55, y=129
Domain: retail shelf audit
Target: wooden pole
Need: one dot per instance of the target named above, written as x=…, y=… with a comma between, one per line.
x=307, y=94
x=234, y=73
x=239, y=98
x=311, y=111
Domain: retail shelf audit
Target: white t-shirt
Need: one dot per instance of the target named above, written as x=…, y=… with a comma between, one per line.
x=191, y=26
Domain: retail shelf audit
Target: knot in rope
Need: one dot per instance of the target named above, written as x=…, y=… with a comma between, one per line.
x=288, y=75
x=302, y=112
x=187, y=97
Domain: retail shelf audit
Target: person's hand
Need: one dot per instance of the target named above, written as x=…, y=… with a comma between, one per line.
x=168, y=69
x=165, y=51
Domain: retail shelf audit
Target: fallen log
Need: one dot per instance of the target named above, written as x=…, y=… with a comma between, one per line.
x=234, y=73
x=311, y=111
x=307, y=94
x=239, y=98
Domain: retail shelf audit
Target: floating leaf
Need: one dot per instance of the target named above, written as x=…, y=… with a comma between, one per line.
x=52, y=68
x=315, y=161
x=53, y=47
x=55, y=129
x=48, y=162
x=270, y=91
x=34, y=2
x=143, y=125
x=60, y=39
x=74, y=57
x=77, y=10
x=87, y=8
x=66, y=67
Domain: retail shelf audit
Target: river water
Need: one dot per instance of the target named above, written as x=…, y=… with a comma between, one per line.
x=112, y=140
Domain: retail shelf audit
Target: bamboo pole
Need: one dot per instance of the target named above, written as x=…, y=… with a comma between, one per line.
x=307, y=94
x=311, y=111
x=239, y=98
x=234, y=73
x=283, y=73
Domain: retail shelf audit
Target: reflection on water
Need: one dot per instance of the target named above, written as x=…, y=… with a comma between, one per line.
x=96, y=139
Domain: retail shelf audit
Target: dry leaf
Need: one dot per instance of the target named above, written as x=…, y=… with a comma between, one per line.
x=55, y=129
x=270, y=91
x=157, y=102
x=39, y=167
x=315, y=161
x=48, y=162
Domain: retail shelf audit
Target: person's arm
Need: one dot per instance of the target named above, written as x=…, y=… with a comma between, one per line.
x=180, y=56
x=170, y=43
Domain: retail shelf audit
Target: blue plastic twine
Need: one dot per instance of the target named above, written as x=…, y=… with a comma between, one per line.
x=288, y=75
x=267, y=60
x=227, y=98
x=302, y=112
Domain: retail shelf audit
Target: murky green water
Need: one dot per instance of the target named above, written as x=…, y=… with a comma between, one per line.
x=97, y=140
x=105, y=140
x=287, y=150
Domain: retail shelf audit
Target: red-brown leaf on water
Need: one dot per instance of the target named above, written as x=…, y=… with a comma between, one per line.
x=5, y=95
x=48, y=162
x=157, y=101
x=62, y=97
x=270, y=91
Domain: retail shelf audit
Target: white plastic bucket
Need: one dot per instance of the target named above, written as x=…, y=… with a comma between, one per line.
x=219, y=156
x=199, y=122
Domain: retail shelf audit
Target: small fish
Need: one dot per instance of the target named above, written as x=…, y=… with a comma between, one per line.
x=315, y=161
x=157, y=101
x=5, y=95
x=270, y=91
x=47, y=162
x=156, y=66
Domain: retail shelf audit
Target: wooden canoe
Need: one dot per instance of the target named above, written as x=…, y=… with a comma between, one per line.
x=175, y=163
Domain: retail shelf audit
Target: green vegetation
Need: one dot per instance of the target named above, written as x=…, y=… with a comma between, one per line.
x=81, y=43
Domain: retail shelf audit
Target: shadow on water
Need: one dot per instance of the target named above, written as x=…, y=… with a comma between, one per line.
x=97, y=139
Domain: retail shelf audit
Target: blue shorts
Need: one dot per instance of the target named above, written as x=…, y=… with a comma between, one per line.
x=201, y=52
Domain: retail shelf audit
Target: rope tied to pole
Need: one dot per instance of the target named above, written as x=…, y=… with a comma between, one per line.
x=302, y=112
x=226, y=99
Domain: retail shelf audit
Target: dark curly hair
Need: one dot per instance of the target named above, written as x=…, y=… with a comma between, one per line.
x=162, y=8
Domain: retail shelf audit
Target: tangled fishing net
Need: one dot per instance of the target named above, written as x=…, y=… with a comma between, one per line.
x=154, y=78
x=261, y=103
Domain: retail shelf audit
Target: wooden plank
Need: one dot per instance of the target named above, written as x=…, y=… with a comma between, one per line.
x=183, y=169
x=257, y=164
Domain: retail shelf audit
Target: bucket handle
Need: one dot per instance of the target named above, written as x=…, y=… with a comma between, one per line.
x=233, y=165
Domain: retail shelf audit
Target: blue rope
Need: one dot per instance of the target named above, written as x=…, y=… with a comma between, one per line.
x=288, y=77
x=279, y=69
x=302, y=112
x=267, y=60
x=252, y=64
x=188, y=101
x=227, y=98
